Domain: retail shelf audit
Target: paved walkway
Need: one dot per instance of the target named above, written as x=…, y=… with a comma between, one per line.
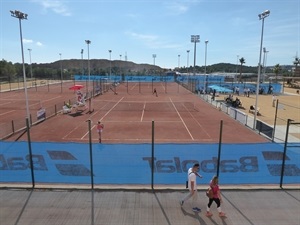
x=142, y=207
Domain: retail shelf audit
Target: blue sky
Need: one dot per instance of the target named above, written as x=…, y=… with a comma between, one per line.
x=141, y=28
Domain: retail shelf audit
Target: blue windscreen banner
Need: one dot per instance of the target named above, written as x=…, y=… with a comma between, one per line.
x=69, y=163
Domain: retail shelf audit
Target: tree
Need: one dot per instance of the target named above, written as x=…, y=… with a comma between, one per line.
x=7, y=71
x=242, y=61
x=277, y=69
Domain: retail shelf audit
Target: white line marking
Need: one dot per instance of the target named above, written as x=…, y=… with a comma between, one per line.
x=7, y=112
x=198, y=122
x=143, y=112
x=181, y=119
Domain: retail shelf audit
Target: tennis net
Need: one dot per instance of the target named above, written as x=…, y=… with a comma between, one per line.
x=155, y=106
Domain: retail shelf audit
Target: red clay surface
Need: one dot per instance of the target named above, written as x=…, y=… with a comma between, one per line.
x=179, y=117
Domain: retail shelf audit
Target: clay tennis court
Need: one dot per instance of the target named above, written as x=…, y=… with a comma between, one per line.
x=127, y=112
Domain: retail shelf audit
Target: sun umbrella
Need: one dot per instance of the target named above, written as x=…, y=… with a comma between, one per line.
x=76, y=87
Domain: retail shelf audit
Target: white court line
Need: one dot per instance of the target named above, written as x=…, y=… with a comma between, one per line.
x=133, y=87
x=5, y=103
x=181, y=119
x=104, y=116
x=198, y=122
x=163, y=86
x=7, y=112
x=143, y=112
x=41, y=102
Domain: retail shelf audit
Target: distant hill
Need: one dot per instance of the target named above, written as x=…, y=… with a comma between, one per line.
x=101, y=65
x=10, y=71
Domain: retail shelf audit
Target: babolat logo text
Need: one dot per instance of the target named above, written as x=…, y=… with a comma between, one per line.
x=71, y=168
x=22, y=163
x=274, y=164
x=68, y=169
x=176, y=165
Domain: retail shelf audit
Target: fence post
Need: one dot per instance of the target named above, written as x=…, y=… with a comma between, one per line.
x=91, y=153
x=284, y=151
x=30, y=153
x=220, y=144
x=92, y=172
x=275, y=120
x=152, y=157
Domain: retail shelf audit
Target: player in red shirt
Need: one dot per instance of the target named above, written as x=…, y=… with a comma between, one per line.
x=100, y=127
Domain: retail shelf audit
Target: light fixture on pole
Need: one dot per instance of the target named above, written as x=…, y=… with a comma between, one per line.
x=178, y=61
x=154, y=56
x=206, y=76
x=264, y=64
x=109, y=64
x=195, y=39
x=61, y=73
x=82, y=71
x=22, y=16
x=187, y=60
x=29, y=49
x=88, y=42
x=262, y=17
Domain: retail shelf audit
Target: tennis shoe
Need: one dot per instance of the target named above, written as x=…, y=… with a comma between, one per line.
x=195, y=209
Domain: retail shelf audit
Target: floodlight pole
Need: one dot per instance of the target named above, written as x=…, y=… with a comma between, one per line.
x=206, y=76
x=61, y=74
x=109, y=64
x=195, y=39
x=264, y=64
x=237, y=63
x=29, y=49
x=88, y=42
x=187, y=61
x=22, y=16
x=154, y=56
x=262, y=17
x=178, y=61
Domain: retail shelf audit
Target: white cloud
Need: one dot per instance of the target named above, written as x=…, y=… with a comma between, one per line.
x=152, y=41
x=27, y=41
x=143, y=37
x=178, y=7
x=56, y=6
x=39, y=43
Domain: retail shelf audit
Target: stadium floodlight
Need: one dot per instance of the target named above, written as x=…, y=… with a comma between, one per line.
x=109, y=64
x=178, y=61
x=154, y=56
x=82, y=71
x=261, y=17
x=206, y=78
x=22, y=16
x=187, y=60
x=61, y=74
x=195, y=39
x=88, y=42
x=29, y=50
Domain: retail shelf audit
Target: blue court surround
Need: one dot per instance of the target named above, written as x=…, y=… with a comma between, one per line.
x=131, y=163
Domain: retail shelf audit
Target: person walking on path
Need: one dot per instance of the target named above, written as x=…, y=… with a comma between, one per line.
x=192, y=185
x=100, y=127
x=216, y=197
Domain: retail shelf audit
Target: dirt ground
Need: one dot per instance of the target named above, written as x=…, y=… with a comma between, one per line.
x=289, y=106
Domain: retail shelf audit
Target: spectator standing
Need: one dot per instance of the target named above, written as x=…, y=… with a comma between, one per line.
x=192, y=186
x=217, y=198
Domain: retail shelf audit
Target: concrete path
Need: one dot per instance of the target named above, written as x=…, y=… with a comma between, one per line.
x=144, y=207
